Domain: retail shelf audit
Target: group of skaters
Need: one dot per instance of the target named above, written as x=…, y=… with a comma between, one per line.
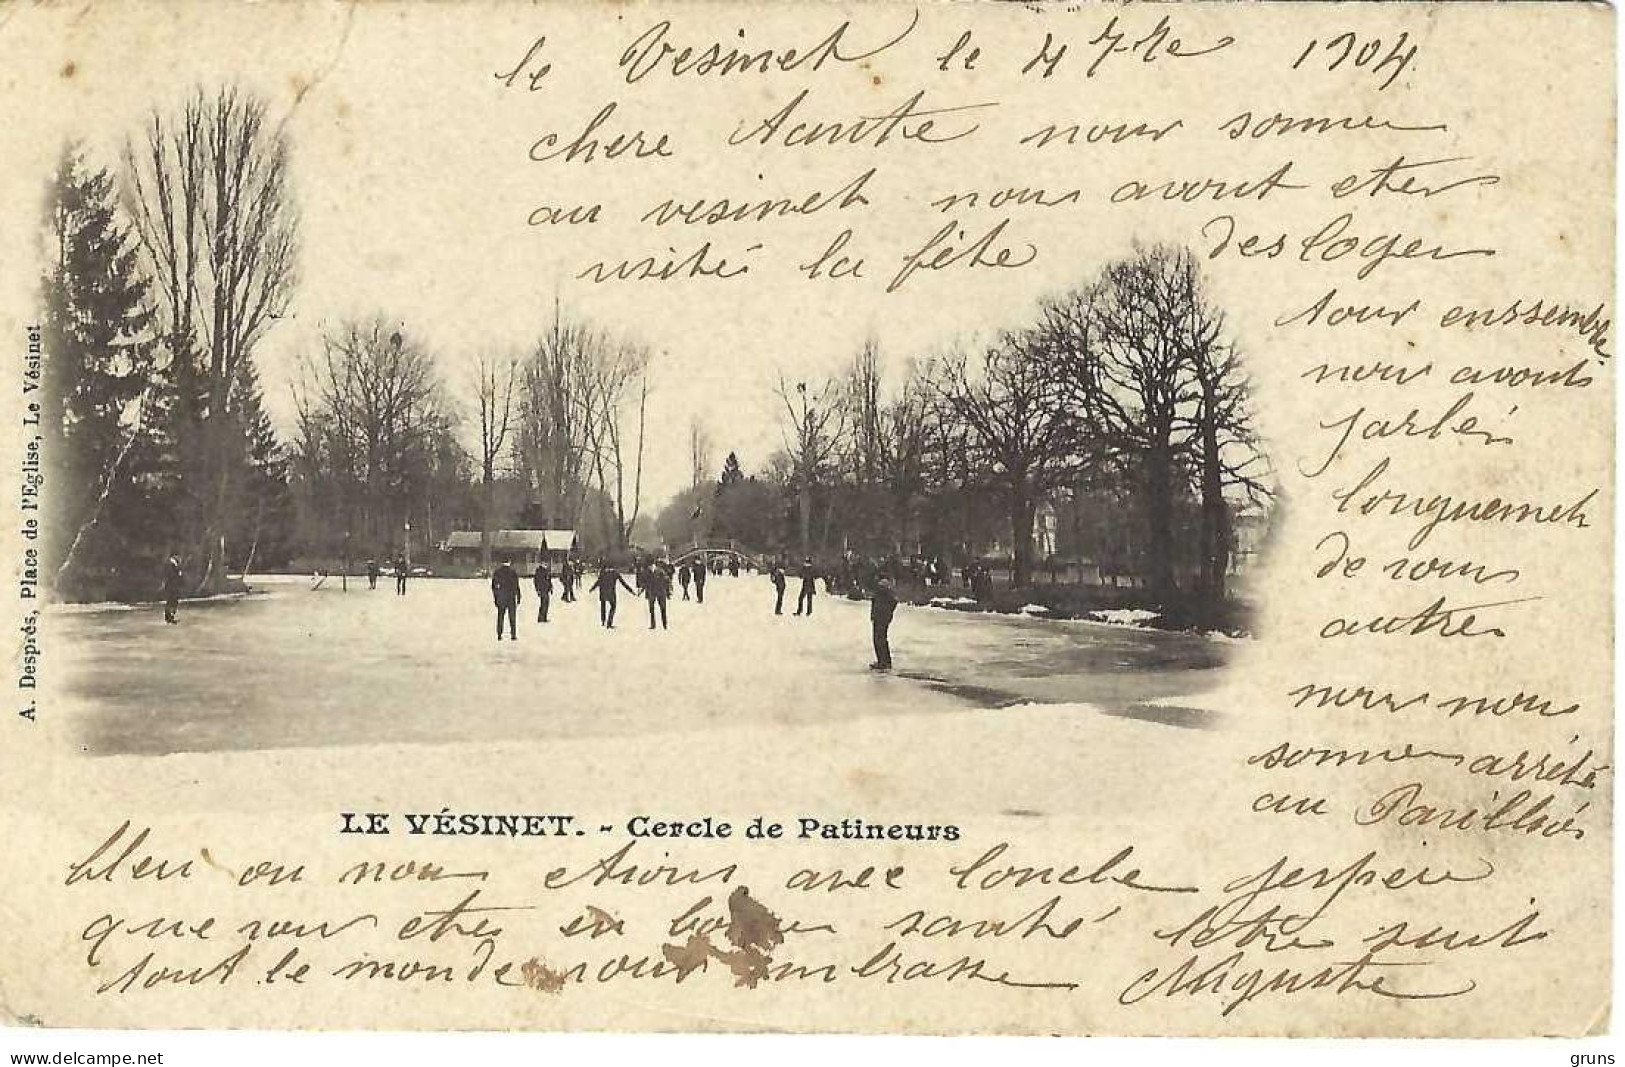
x=654, y=580
x=857, y=573
x=398, y=568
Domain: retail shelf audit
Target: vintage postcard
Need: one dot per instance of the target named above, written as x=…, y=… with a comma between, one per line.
x=883, y=517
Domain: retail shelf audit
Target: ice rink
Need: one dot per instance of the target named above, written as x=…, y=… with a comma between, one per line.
x=294, y=699
x=295, y=666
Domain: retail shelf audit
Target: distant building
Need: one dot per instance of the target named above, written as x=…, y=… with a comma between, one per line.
x=1045, y=540
x=1250, y=527
x=1046, y=530
x=524, y=548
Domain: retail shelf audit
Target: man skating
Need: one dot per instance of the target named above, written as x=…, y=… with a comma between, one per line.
x=173, y=582
x=543, y=581
x=400, y=576
x=982, y=583
x=608, y=579
x=683, y=577
x=372, y=574
x=779, y=583
x=568, y=574
x=656, y=590
x=882, y=606
x=699, y=580
x=809, y=587
x=505, y=593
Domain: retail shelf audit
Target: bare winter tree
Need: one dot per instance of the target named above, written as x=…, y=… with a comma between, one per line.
x=701, y=454
x=863, y=443
x=883, y=447
x=367, y=407
x=618, y=395
x=907, y=427
x=208, y=190
x=558, y=400
x=1144, y=355
x=494, y=385
x=1123, y=346
x=811, y=429
x=1222, y=441
x=1021, y=435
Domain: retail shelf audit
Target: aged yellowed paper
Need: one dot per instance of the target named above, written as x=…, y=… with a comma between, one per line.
x=999, y=518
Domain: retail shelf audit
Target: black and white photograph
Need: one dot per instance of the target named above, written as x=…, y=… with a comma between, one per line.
x=867, y=517
x=1065, y=508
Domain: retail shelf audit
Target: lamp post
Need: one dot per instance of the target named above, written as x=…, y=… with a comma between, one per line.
x=804, y=462
x=406, y=541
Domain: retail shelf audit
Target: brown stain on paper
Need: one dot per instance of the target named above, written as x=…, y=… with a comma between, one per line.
x=752, y=929
x=540, y=977
x=689, y=957
x=750, y=925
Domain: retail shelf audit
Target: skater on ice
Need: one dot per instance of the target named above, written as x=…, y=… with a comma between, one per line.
x=608, y=579
x=173, y=581
x=505, y=593
x=543, y=581
x=778, y=588
x=656, y=583
x=882, y=606
x=809, y=587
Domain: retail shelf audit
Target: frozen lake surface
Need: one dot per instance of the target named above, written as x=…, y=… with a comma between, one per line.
x=296, y=667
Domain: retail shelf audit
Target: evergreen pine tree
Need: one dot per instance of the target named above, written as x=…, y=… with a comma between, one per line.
x=100, y=369
x=725, y=522
x=263, y=519
x=731, y=472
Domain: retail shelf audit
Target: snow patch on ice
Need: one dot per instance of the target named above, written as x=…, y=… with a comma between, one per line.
x=1034, y=609
x=94, y=608
x=1218, y=701
x=1220, y=635
x=99, y=607
x=1124, y=616
x=951, y=601
x=1074, y=719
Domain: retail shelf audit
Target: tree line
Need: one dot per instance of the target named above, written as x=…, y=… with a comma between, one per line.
x=557, y=434
x=1122, y=404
